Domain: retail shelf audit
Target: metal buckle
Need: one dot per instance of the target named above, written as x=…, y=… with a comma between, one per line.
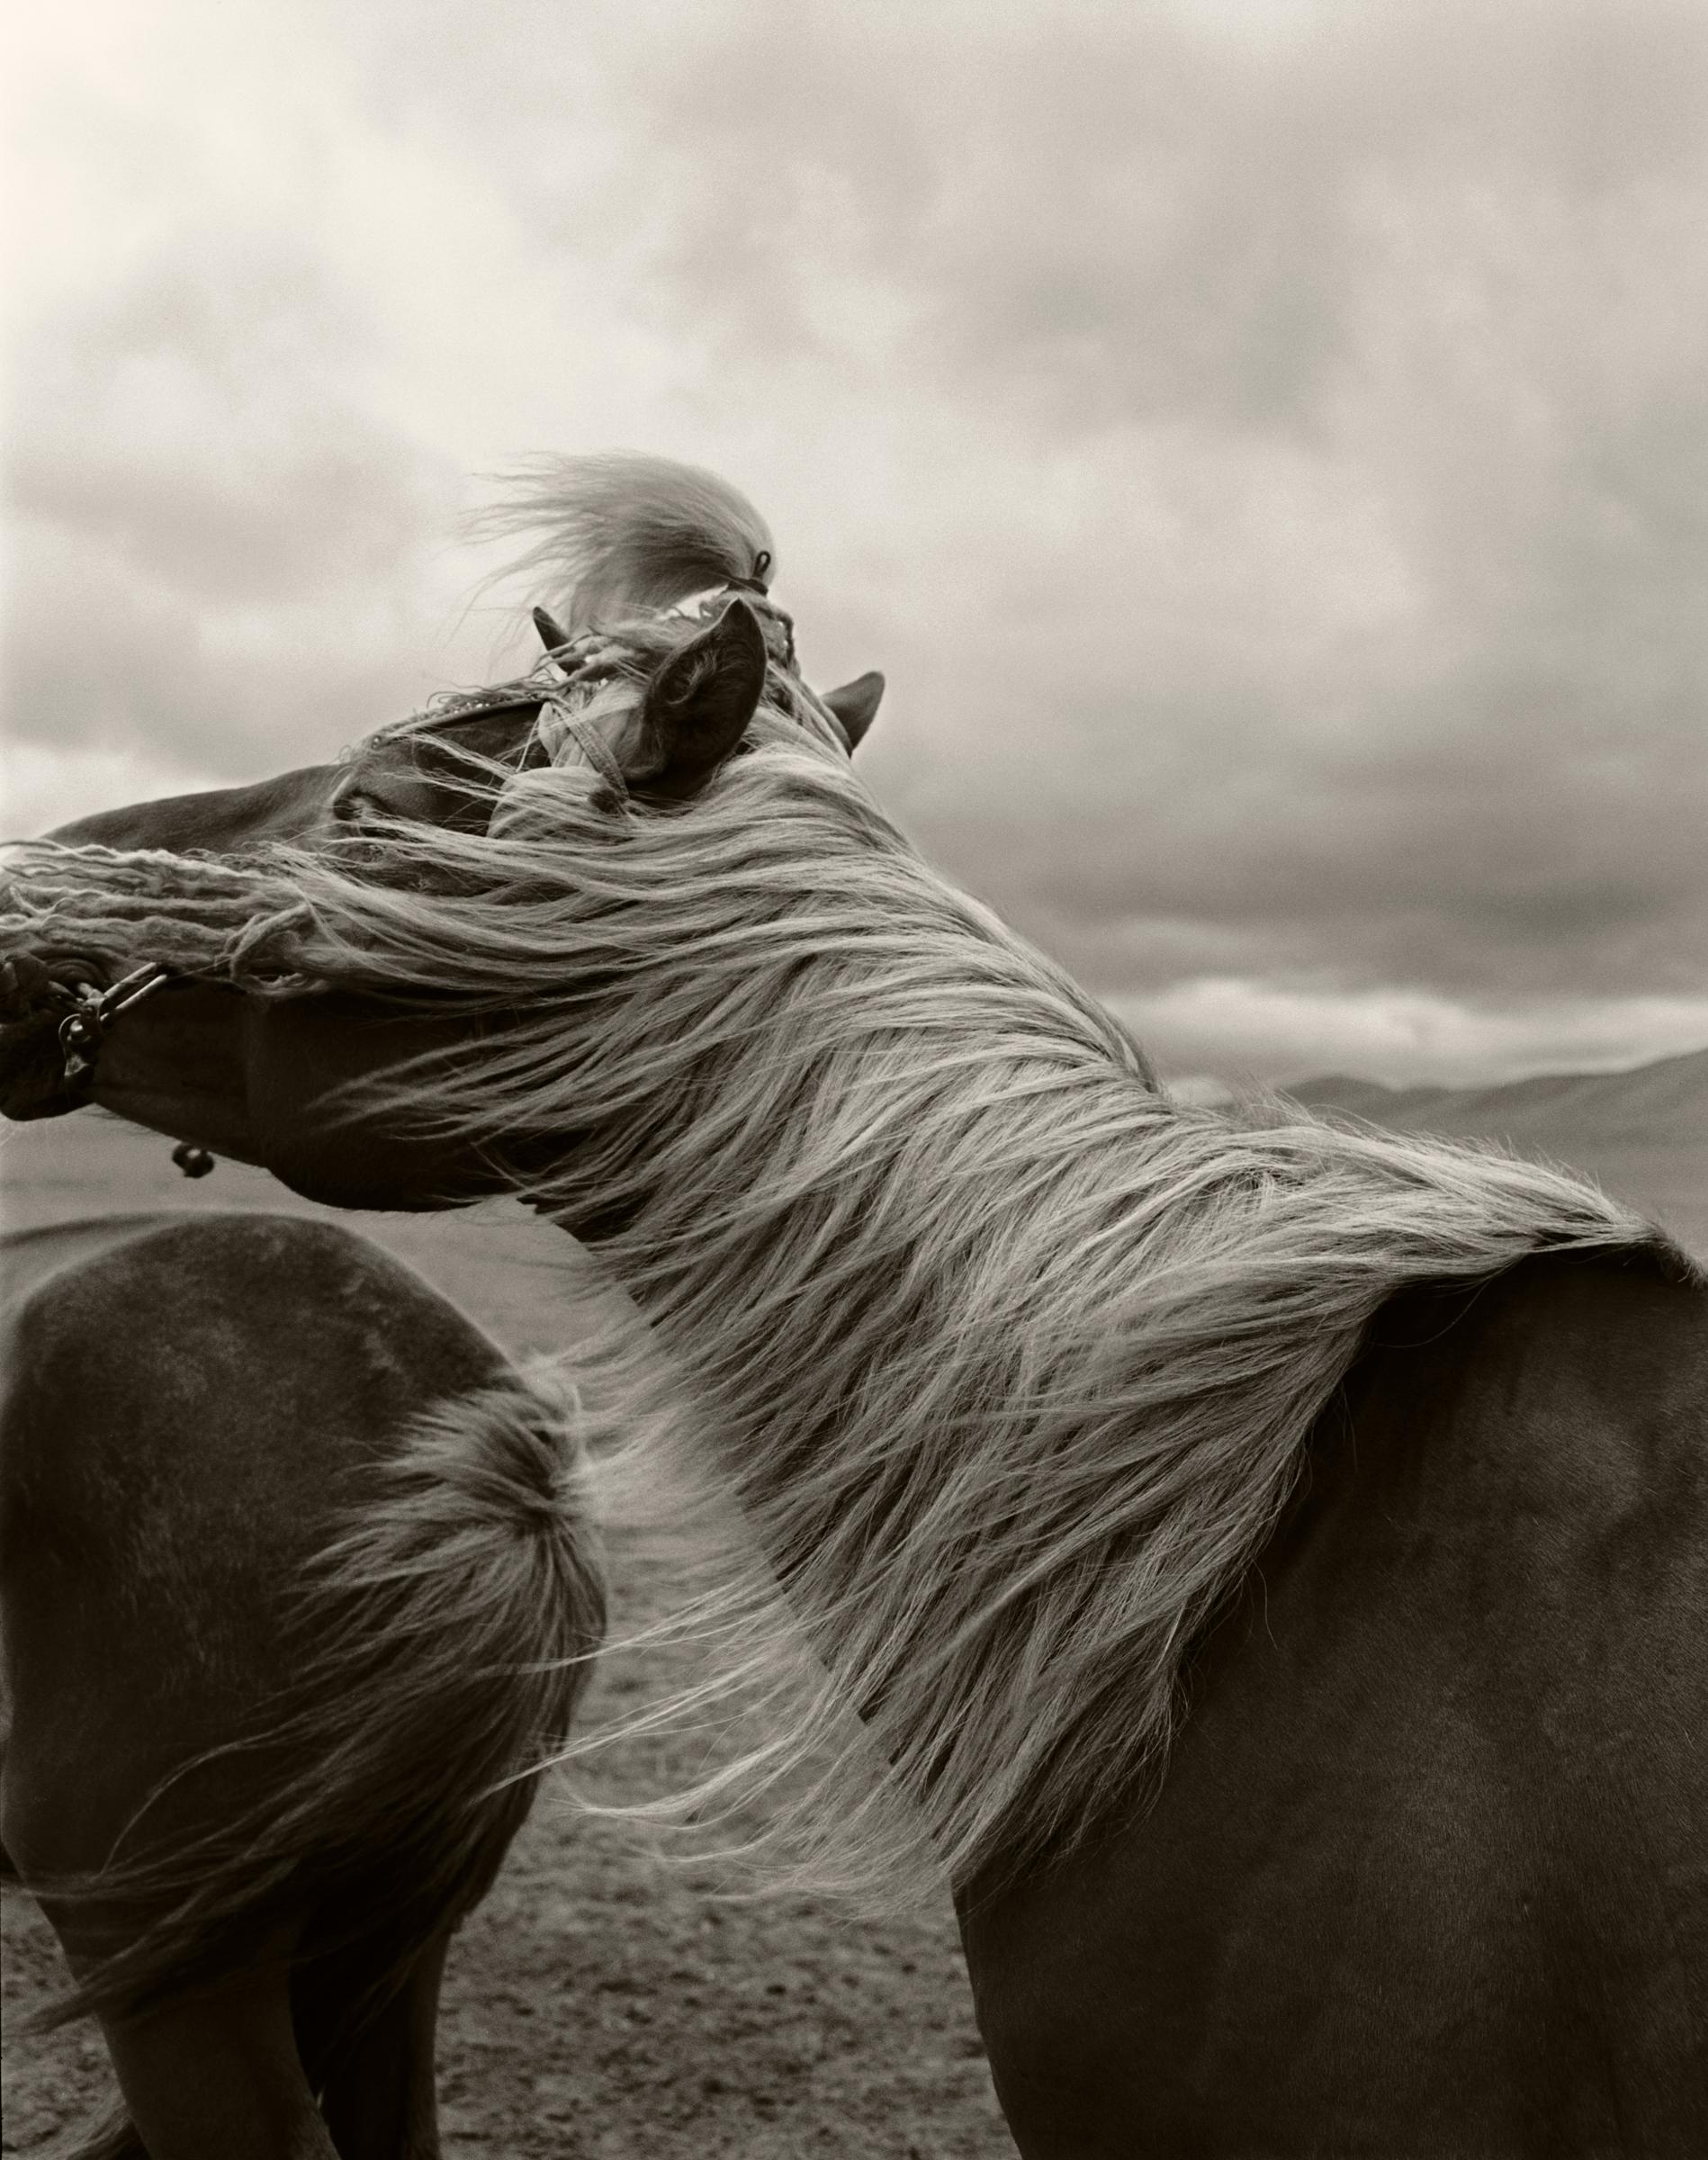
x=81, y=1033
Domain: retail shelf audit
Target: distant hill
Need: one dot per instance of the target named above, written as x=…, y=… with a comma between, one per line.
x=1643, y=1133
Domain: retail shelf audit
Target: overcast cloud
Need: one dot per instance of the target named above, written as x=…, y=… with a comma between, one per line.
x=1266, y=447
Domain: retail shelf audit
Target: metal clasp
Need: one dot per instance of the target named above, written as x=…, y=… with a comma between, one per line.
x=81, y=1033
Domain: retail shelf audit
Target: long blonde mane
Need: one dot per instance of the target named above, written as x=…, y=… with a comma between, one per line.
x=990, y=1366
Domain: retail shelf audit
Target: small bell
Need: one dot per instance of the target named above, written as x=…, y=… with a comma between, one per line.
x=194, y=1161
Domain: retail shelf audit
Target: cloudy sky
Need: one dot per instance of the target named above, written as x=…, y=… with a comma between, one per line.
x=1263, y=443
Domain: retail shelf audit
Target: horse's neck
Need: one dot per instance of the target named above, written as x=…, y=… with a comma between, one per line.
x=1006, y=1368
x=943, y=1283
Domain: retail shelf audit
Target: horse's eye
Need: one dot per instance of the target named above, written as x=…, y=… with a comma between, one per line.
x=355, y=806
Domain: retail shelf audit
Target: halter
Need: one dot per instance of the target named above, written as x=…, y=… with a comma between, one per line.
x=83, y=1029
x=562, y=734
x=588, y=661
x=87, y=1016
x=560, y=723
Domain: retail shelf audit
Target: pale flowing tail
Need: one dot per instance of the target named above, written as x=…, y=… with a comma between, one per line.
x=447, y=1636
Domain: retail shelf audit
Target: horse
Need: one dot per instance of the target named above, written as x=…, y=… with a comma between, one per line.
x=298, y=1591
x=1263, y=1563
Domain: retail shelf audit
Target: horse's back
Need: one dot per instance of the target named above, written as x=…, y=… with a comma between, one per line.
x=283, y=1278
x=236, y=1346
x=30, y=1257
x=1428, y=1873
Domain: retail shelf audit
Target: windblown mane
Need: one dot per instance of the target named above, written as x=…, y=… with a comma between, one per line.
x=620, y=533
x=999, y=1364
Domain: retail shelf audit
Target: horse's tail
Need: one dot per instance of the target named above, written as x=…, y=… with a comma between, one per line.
x=447, y=1630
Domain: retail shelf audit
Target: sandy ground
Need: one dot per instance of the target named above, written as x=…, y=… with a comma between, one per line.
x=596, y=2005
x=599, y=2004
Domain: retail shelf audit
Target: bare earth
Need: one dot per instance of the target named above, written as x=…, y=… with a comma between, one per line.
x=597, y=2004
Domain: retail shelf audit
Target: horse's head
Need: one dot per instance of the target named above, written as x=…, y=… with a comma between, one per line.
x=447, y=765
x=651, y=706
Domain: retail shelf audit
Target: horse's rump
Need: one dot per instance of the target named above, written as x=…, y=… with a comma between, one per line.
x=293, y=1550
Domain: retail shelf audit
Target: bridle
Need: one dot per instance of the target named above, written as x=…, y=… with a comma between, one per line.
x=571, y=673
x=87, y=1026
x=82, y=1032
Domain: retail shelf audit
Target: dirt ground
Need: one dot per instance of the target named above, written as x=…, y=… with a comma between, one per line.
x=596, y=2005
x=601, y=2005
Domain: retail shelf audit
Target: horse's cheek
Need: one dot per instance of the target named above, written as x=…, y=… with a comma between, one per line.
x=32, y=1071
x=176, y=1065
x=305, y=1064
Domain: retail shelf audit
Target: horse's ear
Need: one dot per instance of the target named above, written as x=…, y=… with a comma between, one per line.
x=855, y=705
x=699, y=702
x=553, y=635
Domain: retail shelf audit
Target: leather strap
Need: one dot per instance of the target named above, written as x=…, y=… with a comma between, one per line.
x=558, y=726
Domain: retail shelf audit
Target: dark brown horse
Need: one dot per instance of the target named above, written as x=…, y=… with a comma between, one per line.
x=201, y=1064
x=1273, y=1560
x=296, y=1594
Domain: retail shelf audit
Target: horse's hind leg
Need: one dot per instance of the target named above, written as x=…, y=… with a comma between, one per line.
x=379, y=2099
x=210, y=2078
